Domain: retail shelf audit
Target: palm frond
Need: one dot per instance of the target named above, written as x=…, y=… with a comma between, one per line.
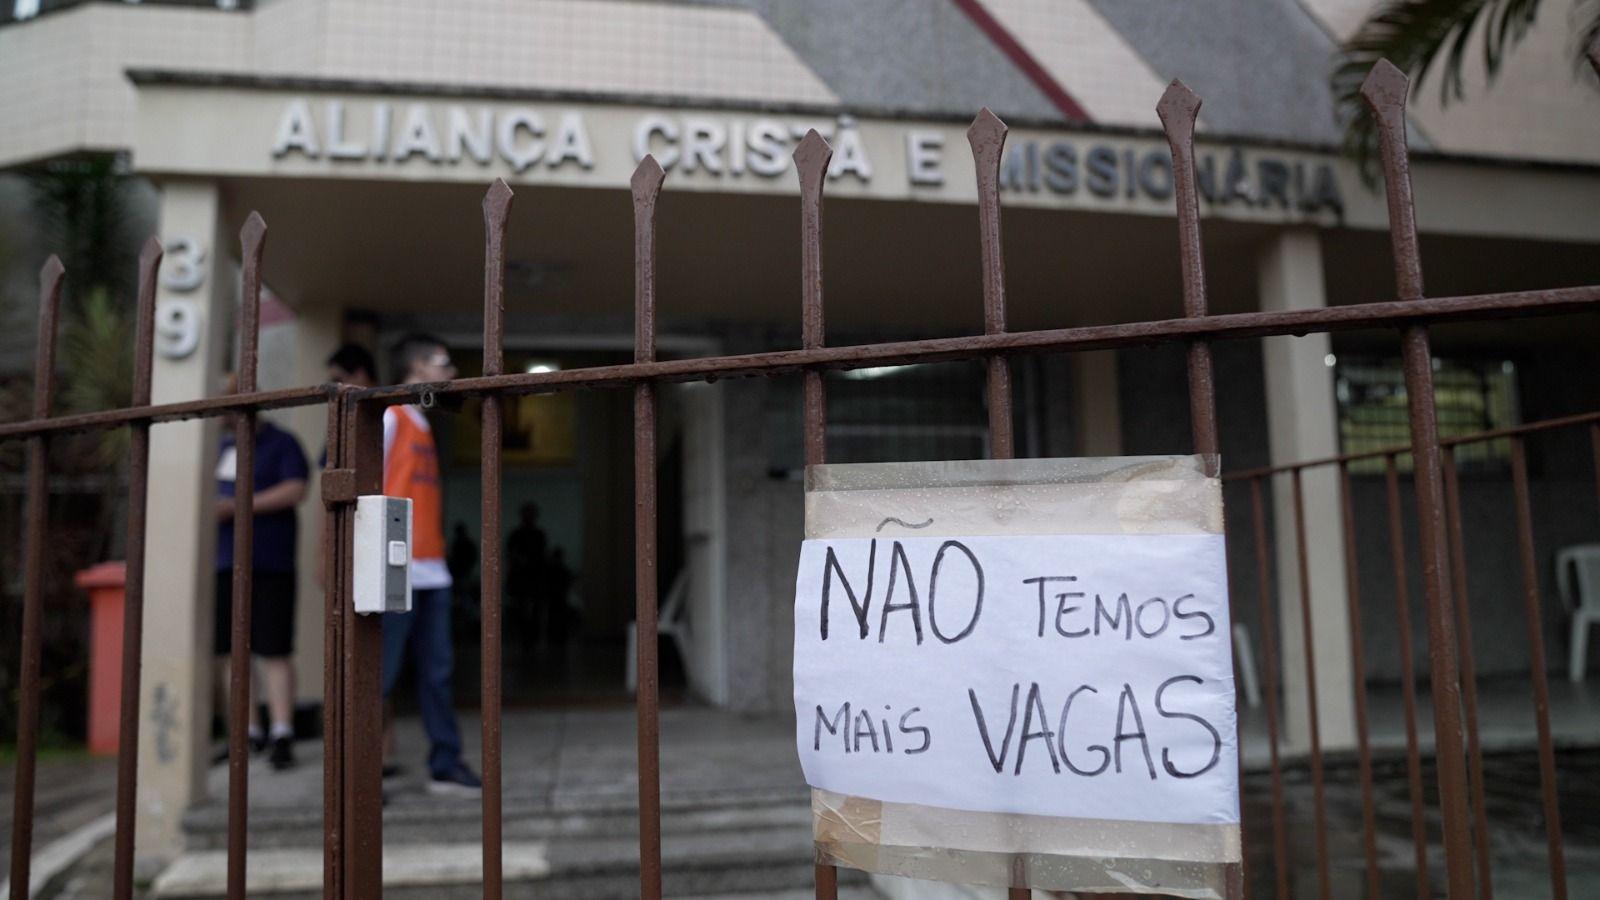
x=1419, y=37
x=96, y=354
x=81, y=206
x=1586, y=31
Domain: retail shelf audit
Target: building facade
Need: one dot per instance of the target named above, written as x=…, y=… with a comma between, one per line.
x=366, y=132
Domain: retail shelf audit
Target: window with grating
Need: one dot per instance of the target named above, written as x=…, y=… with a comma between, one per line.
x=1470, y=395
x=887, y=414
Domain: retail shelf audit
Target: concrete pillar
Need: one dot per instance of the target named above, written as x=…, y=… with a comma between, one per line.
x=1096, y=409
x=1302, y=423
x=307, y=341
x=175, y=702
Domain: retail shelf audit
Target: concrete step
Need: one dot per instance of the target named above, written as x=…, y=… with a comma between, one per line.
x=755, y=862
x=418, y=818
x=569, y=844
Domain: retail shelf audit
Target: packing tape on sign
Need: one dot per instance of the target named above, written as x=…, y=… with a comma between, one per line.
x=1114, y=495
x=1015, y=850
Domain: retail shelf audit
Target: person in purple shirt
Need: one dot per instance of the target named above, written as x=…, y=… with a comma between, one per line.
x=280, y=484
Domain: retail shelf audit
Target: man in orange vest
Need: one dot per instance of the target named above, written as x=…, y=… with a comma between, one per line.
x=411, y=469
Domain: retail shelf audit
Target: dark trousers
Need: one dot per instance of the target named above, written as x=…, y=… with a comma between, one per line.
x=426, y=631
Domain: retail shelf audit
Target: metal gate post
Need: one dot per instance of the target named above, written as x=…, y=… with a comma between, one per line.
x=1177, y=109
x=361, y=695
x=1385, y=92
x=811, y=159
x=338, y=497
x=496, y=207
x=44, y=382
x=987, y=138
x=646, y=187
x=133, y=597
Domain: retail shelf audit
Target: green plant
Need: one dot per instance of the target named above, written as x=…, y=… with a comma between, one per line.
x=96, y=356
x=1422, y=37
x=81, y=207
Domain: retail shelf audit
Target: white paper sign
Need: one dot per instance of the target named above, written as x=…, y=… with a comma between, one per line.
x=1085, y=676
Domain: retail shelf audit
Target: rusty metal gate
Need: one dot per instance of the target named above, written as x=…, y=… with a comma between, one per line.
x=352, y=727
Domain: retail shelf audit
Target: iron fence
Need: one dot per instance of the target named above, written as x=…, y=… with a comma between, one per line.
x=1479, y=860
x=352, y=718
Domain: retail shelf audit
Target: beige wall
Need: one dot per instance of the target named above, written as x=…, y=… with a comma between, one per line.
x=1302, y=424
x=1088, y=57
x=1096, y=406
x=62, y=83
x=1543, y=105
x=292, y=355
x=63, y=88
x=175, y=688
x=231, y=132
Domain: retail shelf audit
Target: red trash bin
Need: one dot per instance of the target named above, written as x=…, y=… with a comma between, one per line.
x=106, y=584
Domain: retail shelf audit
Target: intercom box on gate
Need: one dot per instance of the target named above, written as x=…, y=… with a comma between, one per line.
x=382, y=559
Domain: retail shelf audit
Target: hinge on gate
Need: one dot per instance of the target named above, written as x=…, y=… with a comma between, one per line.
x=338, y=486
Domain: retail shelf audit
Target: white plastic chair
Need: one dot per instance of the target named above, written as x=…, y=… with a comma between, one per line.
x=670, y=624
x=1244, y=658
x=1578, y=579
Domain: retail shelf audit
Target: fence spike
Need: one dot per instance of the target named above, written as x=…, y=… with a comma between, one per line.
x=1178, y=109
x=1385, y=93
x=497, y=200
x=144, y=333
x=496, y=211
x=133, y=602
x=252, y=241
x=646, y=183
x=811, y=160
x=50, y=277
x=986, y=126
x=1385, y=87
x=254, y=233
x=987, y=137
x=51, y=274
x=647, y=176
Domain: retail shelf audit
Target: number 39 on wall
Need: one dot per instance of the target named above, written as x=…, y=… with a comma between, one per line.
x=178, y=319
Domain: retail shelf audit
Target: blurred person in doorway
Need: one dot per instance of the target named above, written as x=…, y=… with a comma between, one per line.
x=525, y=567
x=279, y=480
x=564, y=618
x=463, y=561
x=353, y=364
x=411, y=469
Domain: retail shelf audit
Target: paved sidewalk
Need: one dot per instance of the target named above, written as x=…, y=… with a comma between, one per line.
x=72, y=790
x=577, y=766
x=1517, y=844
x=553, y=760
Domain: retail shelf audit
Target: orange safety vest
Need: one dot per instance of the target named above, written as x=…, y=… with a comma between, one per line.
x=411, y=469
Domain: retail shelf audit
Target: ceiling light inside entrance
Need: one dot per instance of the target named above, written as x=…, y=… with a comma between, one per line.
x=871, y=372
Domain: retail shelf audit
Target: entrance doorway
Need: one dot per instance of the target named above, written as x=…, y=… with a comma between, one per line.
x=566, y=539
